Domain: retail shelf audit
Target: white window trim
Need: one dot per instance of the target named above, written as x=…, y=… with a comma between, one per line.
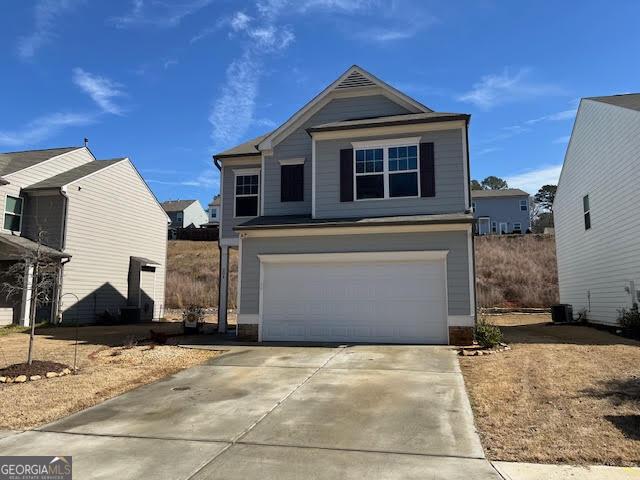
x=291, y=161
x=586, y=212
x=517, y=226
x=524, y=203
x=6, y=196
x=385, y=145
x=506, y=228
x=494, y=225
x=241, y=172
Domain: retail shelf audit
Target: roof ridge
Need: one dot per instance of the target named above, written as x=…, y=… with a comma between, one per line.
x=42, y=150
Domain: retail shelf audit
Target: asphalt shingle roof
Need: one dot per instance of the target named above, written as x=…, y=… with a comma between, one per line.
x=506, y=192
x=62, y=179
x=176, y=205
x=246, y=148
x=12, y=162
x=629, y=100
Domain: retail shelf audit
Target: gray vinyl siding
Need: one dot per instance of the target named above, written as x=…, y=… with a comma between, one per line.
x=44, y=213
x=112, y=215
x=602, y=162
x=455, y=242
x=228, y=196
x=449, y=170
x=298, y=144
x=502, y=209
x=42, y=171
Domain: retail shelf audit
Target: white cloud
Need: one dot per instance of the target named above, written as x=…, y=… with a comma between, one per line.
x=531, y=180
x=240, y=21
x=554, y=117
x=505, y=87
x=44, y=127
x=158, y=13
x=488, y=150
x=208, y=179
x=101, y=90
x=47, y=13
x=564, y=139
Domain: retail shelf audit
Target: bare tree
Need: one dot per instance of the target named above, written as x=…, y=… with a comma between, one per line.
x=34, y=275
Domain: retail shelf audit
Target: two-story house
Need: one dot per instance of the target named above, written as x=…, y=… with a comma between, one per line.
x=597, y=226
x=500, y=212
x=352, y=221
x=97, y=219
x=213, y=211
x=184, y=214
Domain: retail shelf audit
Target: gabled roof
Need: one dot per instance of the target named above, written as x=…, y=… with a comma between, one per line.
x=406, y=119
x=12, y=162
x=216, y=201
x=628, y=100
x=505, y=192
x=356, y=78
x=247, y=148
x=65, y=178
x=176, y=205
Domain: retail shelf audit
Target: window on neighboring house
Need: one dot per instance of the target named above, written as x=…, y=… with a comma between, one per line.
x=494, y=227
x=524, y=205
x=386, y=172
x=246, y=195
x=214, y=213
x=13, y=213
x=517, y=227
x=587, y=212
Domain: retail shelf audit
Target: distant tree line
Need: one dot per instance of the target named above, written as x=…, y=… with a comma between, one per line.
x=541, y=204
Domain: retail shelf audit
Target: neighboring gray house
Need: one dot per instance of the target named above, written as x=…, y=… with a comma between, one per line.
x=184, y=214
x=501, y=212
x=213, y=212
x=110, y=242
x=352, y=221
x=597, y=225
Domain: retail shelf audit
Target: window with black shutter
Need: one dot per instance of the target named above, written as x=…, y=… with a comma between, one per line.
x=292, y=183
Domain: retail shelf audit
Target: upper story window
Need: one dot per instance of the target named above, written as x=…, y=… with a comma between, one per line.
x=13, y=213
x=246, y=193
x=524, y=205
x=292, y=180
x=587, y=212
x=387, y=171
x=214, y=212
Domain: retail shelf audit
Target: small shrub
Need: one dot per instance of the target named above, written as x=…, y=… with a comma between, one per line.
x=193, y=314
x=487, y=335
x=630, y=320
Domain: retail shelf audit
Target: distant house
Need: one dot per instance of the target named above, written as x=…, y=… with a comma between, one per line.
x=184, y=214
x=597, y=224
x=213, y=212
x=98, y=219
x=500, y=212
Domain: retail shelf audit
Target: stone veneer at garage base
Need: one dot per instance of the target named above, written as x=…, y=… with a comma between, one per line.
x=457, y=335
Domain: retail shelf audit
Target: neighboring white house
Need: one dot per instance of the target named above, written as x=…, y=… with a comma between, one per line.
x=184, y=214
x=213, y=211
x=597, y=222
x=101, y=222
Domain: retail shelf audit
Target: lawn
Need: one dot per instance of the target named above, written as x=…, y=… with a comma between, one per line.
x=111, y=360
x=562, y=394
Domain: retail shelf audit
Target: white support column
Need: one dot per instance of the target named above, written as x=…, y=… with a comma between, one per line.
x=25, y=306
x=224, y=289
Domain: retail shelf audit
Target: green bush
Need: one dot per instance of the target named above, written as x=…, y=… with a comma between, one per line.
x=487, y=335
x=630, y=320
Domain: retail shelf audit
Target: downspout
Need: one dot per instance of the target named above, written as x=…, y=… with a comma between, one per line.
x=473, y=237
x=216, y=162
x=64, y=261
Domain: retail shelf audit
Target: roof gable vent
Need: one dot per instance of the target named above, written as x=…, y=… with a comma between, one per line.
x=355, y=79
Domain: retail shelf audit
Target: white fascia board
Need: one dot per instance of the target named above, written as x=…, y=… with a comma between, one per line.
x=352, y=257
x=388, y=130
x=392, y=142
x=353, y=230
x=292, y=161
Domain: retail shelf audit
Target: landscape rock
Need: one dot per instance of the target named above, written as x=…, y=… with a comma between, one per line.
x=9, y=380
x=3, y=379
x=20, y=379
x=51, y=374
x=35, y=377
x=66, y=371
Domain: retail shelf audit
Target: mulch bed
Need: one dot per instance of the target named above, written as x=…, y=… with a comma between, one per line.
x=37, y=367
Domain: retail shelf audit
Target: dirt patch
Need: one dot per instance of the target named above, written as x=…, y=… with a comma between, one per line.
x=37, y=367
x=562, y=394
x=111, y=361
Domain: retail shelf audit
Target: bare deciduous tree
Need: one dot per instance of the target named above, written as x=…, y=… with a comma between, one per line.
x=34, y=275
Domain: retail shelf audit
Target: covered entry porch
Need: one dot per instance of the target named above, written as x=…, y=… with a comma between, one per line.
x=30, y=280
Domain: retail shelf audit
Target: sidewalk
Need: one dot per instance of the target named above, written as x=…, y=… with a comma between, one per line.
x=534, y=471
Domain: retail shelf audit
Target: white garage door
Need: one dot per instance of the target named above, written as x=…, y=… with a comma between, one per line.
x=363, y=297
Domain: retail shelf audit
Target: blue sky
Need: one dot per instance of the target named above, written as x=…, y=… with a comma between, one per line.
x=169, y=82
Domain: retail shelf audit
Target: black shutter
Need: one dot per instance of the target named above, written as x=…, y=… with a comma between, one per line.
x=427, y=170
x=292, y=183
x=346, y=175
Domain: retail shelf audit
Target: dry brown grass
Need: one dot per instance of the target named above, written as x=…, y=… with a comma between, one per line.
x=516, y=271
x=192, y=274
x=563, y=394
x=111, y=362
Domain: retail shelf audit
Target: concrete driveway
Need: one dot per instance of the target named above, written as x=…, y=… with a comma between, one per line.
x=281, y=412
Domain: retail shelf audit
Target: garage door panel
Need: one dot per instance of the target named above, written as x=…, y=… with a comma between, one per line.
x=385, y=302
